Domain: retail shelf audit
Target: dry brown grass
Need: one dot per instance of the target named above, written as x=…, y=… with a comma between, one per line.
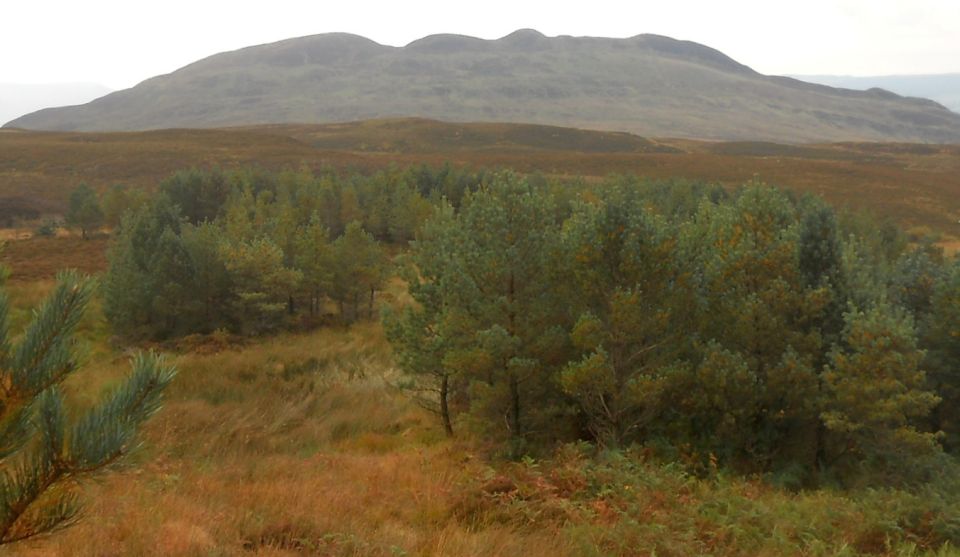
x=38, y=258
x=296, y=445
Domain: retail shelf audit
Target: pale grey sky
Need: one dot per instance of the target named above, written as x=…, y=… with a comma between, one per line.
x=121, y=42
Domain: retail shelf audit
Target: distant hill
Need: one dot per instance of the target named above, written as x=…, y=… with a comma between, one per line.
x=943, y=88
x=648, y=84
x=17, y=99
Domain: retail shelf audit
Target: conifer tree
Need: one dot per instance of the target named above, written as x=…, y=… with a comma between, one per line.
x=148, y=288
x=759, y=311
x=211, y=281
x=877, y=391
x=426, y=340
x=117, y=201
x=941, y=339
x=42, y=453
x=200, y=195
x=261, y=282
x=360, y=267
x=490, y=323
x=497, y=292
x=313, y=257
x=632, y=291
x=84, y=210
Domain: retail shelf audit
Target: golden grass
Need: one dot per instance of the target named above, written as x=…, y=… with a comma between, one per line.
x=290, y=446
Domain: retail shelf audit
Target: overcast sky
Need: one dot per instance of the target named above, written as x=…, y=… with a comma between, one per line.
x=119, y=43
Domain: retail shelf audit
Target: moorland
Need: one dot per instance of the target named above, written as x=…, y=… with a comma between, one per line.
x=306, y=414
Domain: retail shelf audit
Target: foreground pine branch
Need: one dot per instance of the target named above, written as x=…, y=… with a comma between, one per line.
x=42, y=456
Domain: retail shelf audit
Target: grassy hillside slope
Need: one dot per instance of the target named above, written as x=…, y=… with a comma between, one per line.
x=943, y=88
x=647, y=84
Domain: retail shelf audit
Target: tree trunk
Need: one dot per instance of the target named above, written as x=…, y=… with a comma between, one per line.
x=514, y=420
x=370, y=308
x=444, y=407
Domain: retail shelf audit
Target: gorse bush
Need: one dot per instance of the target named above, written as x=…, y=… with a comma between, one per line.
x=42, y=453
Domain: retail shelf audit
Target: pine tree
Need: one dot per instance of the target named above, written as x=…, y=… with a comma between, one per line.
x=632, y=291
x=42, y=454
x=498, y=288
x=360, y=267
x=117, y=201
x=877, y=391
x=313, y=257
x=148, y=288
x=941, y=338
x=211, y=282
x=758, y=309
x=261, y=282
x=426, y=340
x=200, y=195
x=84, y=210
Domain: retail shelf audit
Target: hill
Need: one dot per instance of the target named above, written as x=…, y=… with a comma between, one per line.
x=916, y=184
x=647, y=84
x=17, y=99
x=943, y=88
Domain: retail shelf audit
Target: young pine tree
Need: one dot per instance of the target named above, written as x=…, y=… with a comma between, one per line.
x=941, y=337
x=359, y=270
x=148, y=288
x=84, y=210
x=261, y=282
x=42, y=453
x=633, y=296
x=877, y=392
x=426, y=340
x=497, y=286
x=313, y=257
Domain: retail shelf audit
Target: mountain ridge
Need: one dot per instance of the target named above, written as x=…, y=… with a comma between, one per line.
x=18, y=99
x=647, y=84
x=944, y=88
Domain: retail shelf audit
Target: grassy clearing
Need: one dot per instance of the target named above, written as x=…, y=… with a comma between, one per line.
x=298, y=445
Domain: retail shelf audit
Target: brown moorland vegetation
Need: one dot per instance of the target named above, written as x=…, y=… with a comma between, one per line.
x=915, y=184
x=42, y=258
